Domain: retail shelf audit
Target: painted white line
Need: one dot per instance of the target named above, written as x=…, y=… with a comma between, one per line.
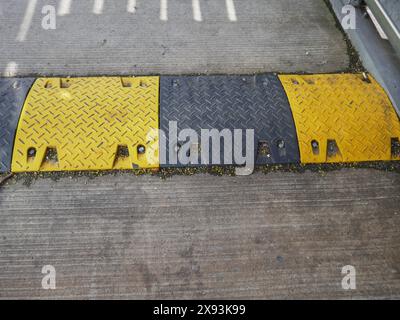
x=389, y=19
x=377, y=25
x=98, y=6
x=230, y=7
x=196, y=10
x=11, y=69
x=26, y=23
x=164, y=10
x=64, y=7
x=131, y=7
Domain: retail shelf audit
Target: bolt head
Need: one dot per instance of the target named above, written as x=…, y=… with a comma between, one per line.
x=31, y=152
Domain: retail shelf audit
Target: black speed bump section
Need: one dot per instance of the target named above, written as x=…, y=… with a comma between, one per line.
x=229, y=102
x=13, y=92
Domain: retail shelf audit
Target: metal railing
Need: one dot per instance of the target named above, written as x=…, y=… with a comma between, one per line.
x=387, y=12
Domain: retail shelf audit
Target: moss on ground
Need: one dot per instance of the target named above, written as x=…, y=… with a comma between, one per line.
x=355, y=64
x=164, y=173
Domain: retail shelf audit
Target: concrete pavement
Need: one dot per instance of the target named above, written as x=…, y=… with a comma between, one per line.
x=277, y=235
x=169, y=37
x=280, y=235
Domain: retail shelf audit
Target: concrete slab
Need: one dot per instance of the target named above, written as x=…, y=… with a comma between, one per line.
x=280, y=235
x=214, y=37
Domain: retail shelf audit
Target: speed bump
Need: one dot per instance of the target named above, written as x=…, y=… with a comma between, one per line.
x=342, y=118
x=230, y=103
x=98, y=123
x=12, y=96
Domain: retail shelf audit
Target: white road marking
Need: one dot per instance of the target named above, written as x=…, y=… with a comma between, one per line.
x=98, y=6
x=164, y=10
x=26, y=23
x=64, y=7
x=230, y=7
x=377, y=25
x=11, y=69
x=196, y=10
x=131, y=7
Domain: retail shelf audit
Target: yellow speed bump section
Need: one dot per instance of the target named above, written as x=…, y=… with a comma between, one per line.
x=342, y=118
x=88, y=124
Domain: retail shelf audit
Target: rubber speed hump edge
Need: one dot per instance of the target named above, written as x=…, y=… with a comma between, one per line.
x=12, y=96
x=342, y=118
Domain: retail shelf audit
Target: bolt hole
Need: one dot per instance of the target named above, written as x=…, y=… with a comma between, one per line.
x=51, y=155
x=315, y=147
x=295, y=82
x=31, y=153
x=126, y=83
x=50, y=159
x=122, y=152
x=64, y=84
x=141, y=149
x=332, y=148
x=263, y=149
x=395, y=144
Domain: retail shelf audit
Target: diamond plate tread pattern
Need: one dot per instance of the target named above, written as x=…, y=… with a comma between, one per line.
x=341, y=118
x=85, y=122
x=12, y=96
x=231, y=102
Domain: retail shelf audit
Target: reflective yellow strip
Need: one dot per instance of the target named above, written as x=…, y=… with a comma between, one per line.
x=88, y=124
x=342, y=118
